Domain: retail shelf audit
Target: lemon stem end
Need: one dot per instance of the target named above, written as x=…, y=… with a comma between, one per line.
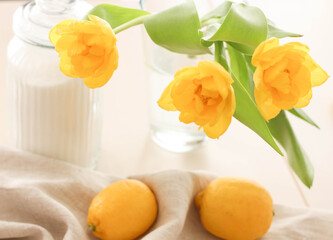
x=92, y=227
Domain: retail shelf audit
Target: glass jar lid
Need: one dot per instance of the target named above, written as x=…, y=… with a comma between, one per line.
x=33, y=21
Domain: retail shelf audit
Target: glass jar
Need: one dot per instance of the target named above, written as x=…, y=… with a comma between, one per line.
x=48, y=113
x=161, y=65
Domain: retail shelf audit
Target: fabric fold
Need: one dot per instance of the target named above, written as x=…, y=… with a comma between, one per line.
x=45, y=199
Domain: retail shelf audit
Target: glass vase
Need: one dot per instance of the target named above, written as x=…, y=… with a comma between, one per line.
x=161, y=65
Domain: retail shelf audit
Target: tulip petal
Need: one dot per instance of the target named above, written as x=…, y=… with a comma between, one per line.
x=186, y=117
x=199, y=106
x=219, y=127
x=99, y=22
x=304, y=101
x=183, y=100
x=221, y=77
x=299, y=46
x=104, y=73
x=165, y=101
x=285, y=101
x=215, y=69
x=262, y=48
x=97, y=50
x=65, y=42
x=187, y=73
x=264, y=101
x=215, y=131
x=318, y=75
x=59, y=30
x=273, y=75
x=98, y=81
x=302, y=80
x=208, y=84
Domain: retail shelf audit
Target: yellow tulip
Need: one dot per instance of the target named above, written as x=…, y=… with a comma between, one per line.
x=203, y=94
x=284, y=76
x=87, y=49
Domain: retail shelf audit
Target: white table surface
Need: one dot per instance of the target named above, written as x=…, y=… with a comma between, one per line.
x=126, y=145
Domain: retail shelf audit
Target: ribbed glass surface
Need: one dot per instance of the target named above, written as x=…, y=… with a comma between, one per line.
x=49, y=113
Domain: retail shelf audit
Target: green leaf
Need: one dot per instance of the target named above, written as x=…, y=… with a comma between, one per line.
x=116, y=15
x=219, y=55
x=251, y=70
x=239, y=67
x=218, y=12
x=206, y=43
x=248, y=114
x=298, y=160
x=177, y=29
x=244, y=25
x=247, y=50
x=302, y=115
x=249, y=63
x=279, y=33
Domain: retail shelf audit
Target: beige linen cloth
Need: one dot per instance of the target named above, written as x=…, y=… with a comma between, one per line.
x=43, y=199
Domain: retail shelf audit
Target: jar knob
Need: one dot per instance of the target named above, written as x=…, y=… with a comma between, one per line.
x=34, y=20
x=55, y=6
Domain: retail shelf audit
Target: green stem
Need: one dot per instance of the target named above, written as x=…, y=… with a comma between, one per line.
x=92, y=227
x=218, y=55
x=134, y=22
x=218, y=51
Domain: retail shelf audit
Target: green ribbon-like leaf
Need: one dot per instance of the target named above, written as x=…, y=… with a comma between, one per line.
x=177, y=29
x=248, y=60
x=218, y=12
x=279, y=33
x=244, y=27
x=251, y=70
x=298, y=160
x=302, y=115
x=248, y=114
x=245, y=49
x=115, y=15
x=239, y=67
x=220, y=55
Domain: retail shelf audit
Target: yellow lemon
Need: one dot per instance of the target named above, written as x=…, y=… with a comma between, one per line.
x=235, y=209
x=122, y=211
